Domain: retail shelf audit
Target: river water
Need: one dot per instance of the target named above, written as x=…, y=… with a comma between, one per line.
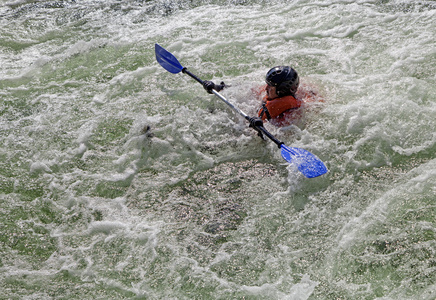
x=121, y=180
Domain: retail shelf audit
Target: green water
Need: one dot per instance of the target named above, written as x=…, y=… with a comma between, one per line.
x=120, y=180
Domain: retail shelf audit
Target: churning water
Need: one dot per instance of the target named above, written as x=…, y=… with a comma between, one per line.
x=121, y=180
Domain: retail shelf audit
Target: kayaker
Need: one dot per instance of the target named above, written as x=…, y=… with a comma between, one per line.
x=280, y=97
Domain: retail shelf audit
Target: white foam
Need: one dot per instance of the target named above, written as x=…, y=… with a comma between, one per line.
x=62, y=83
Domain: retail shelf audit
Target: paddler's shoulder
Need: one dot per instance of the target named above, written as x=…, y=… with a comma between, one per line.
x=309, y=93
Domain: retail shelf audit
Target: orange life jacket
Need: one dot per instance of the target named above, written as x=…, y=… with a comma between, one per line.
x=272, y=109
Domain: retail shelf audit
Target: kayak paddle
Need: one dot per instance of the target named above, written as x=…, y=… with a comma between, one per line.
x=306, y=162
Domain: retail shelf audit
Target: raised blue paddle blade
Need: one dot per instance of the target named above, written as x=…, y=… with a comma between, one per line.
x=307, y=163
x=167, y=60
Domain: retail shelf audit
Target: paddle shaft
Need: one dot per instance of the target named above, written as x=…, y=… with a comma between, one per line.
x=258, y=128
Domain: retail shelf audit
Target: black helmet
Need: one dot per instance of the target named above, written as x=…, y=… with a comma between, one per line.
x=284, y=78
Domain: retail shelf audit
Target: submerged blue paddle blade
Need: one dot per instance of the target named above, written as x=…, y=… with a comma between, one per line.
x=307, y=163
x=167, y=60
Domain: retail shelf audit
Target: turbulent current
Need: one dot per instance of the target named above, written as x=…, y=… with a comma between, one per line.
x=120, y=180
